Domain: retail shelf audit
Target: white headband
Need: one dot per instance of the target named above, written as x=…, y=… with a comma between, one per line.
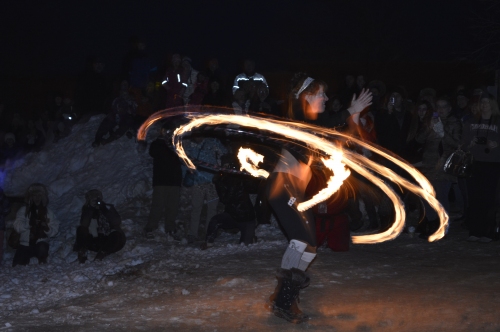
x=306, y=83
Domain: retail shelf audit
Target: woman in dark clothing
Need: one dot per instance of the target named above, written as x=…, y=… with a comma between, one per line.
x=392, y=123
x=421, y=117
x=481, y=138
x=286, y=189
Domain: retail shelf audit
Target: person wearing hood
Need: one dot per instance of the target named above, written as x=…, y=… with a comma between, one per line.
x=36, y=224
x=99, y=228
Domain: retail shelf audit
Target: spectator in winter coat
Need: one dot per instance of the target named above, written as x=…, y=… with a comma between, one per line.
x=66, y=117
x=173, y=84
x=392, y=124
x=99, y=228
x=441, y=136
x=167, y=179
x=248, y=77
x=214, y=96
x=4, y=211
x=10, y=150
x=34, y=138
x=234, y=192
x=119, y=120
x=35, y=224
x=481, y=137
x=189, y=78
x=201, y=89
x=260, y=103
x=208, y=150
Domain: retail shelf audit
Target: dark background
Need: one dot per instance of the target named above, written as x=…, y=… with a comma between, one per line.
x=413, y=43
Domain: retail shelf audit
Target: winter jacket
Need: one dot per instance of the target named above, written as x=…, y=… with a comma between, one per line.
x=167, y=169
x=392, y=130
x=438, y=149
x=172, y=82
x=245, y=78
x=106, y=219
x=233, y=191
x=22, y=226
x=482, y=128
x=208, y=151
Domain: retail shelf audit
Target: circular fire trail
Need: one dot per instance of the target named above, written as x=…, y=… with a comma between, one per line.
x=336, y=159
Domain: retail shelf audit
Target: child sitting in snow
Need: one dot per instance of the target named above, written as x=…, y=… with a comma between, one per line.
x=35, y=224
x=99, y=228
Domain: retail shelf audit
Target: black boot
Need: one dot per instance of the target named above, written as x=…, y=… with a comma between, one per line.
x=284, y=301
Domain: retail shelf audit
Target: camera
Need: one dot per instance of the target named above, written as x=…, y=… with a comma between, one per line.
x=481, y=140
x=392, y=100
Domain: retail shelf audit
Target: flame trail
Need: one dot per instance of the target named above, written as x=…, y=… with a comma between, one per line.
x=314, y=137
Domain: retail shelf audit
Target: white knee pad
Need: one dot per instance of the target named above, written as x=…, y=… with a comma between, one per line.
x=293, y=254
x=305, y=260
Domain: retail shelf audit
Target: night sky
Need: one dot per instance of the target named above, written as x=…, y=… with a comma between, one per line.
x=55, y=37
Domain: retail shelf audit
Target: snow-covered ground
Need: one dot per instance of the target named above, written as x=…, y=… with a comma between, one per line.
x=158, y=285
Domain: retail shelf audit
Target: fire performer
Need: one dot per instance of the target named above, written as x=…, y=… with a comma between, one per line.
x=286, y=188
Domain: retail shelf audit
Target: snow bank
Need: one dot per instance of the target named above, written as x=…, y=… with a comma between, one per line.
x=71, y=167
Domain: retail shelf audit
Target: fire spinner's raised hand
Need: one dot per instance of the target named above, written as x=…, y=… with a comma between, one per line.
x=363, y=101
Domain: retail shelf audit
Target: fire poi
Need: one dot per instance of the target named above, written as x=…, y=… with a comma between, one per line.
x=339, y=161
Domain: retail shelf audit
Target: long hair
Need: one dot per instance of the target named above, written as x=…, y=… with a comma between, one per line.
x=415, y=120
x=34, y=212
x=495, y=112
x=298, y=106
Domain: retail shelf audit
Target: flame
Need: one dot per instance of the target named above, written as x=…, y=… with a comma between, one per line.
x=244, y=155
x=313, y=136
x=340, y=173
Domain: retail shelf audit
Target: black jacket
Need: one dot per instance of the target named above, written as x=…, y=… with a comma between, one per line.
x=107, y=218
x=392, y=133
x=167, y=169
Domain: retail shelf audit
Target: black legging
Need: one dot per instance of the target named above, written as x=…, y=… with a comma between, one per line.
x=281, y=187
x=23, y=254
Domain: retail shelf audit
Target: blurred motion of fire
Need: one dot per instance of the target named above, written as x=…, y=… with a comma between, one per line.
x=326, y=141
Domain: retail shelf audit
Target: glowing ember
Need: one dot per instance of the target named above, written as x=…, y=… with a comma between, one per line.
x=338, y=160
